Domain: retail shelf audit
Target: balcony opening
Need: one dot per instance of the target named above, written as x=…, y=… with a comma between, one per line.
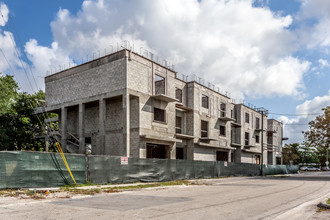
x=222, y=156
x=223, y=110
x=156, y=151
x=205, y=101
x=222, y=130
x=180, y=153
x=159, y=115
x=204, y=128
x=257, y=123
x=178, y=125
x=178, y=94
x=247, y=139
x=257, y=138
x=247, y=117
x=159, y=85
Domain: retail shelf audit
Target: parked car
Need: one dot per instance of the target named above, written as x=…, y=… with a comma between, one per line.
x=309, y=169
x=325, y=169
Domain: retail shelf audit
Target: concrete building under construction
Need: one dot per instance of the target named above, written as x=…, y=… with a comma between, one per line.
x=125, y=104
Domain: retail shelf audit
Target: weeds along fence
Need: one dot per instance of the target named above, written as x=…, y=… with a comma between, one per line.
x=37, y=169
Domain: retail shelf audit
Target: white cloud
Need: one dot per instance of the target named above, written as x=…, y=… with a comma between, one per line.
x=314, y=17
x=323, y=63
x=234, y=45
x=4, y=14
x=46, y=59
x=294, y=126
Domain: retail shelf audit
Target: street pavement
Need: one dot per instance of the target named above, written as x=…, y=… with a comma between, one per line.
x=275, y=197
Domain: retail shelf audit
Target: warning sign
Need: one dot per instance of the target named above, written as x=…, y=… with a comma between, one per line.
x=124, y=160
x=225, y=163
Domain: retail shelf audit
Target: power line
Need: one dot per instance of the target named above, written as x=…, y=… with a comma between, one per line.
x=291, y=114
x=295, y=124
x=44, y=114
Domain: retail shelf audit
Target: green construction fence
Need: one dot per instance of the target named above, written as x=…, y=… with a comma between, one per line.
x=38, y=169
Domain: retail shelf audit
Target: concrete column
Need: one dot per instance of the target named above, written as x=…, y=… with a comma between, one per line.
x=64, y=113
x=81, y=129
x=101, y=136
x=126, y=123
x=190, y=149
x=173, y=151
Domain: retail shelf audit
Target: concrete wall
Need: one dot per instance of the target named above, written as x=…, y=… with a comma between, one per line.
x=90, y=79
x=205, y=154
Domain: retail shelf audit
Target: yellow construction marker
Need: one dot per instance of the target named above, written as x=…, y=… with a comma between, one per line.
x=64, y=160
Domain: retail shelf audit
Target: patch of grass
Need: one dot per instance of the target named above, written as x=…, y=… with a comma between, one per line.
x=82, y=191
x=79, y=185
x=143, y=186
x=328, y=202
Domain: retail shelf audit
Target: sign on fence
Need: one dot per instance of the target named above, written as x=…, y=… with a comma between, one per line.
x=124, y=160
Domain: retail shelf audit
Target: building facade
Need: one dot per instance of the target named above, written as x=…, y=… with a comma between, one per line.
x=124, y=104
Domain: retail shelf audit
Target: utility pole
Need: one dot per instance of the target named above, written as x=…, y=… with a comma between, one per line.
x=264, y=112
x=327, y=162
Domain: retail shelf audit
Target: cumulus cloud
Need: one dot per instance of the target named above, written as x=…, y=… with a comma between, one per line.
x=294, y=126
x=314, y=17
x=323, y=63
x=4, y=14
x=244, y=49
x=11, y=61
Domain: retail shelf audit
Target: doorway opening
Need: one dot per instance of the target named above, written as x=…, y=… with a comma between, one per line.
x=156, y=151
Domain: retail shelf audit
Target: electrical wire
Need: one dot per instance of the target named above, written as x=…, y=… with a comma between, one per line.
x=291, y=114
x=43, y=112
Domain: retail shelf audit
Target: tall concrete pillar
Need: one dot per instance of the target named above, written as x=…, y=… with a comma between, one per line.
x=81, y=129
x=101, y=136
x=64, y=114
x=190, y=149
x=126, y=123
x=173, y=151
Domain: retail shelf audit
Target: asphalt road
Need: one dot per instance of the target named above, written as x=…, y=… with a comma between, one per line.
x=293, y=197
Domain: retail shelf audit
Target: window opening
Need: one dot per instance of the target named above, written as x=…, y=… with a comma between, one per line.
x=257, y=123
x=159, y=85
x=222, y=110
x=222, y=156
x=205, y=101
x=257, y=139
x=156, y=151
x=159, y=115
x=178, y=125
x=247, y=117
x=204, y=128
x=222, y=130
x=178, y=94
x=179, y=153
x=247, y=138
x=257, y=159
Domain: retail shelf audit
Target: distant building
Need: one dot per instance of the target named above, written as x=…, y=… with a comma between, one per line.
x=124, y=104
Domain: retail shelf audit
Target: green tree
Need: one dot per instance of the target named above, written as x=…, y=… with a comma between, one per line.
x=19, y=124
x=20, y=127
x=307, y=153
x=8, y=92
x=290, y=152
x=318, y=134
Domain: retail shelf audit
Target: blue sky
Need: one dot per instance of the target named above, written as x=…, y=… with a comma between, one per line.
x=271, y=53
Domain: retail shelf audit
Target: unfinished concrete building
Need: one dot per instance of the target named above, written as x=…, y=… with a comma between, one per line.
x=124, y=104
x=274, y=141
